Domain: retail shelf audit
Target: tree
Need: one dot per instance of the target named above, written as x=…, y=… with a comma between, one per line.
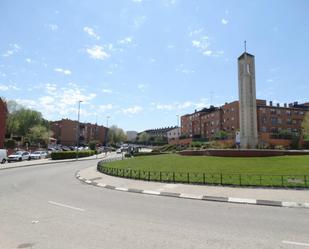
x=27, y=124
x=305, y=126
x=115, y=135
x=221, y=135
x=143, y=137
x=38, y=135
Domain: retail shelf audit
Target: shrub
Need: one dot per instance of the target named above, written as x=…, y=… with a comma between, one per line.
x=71, y=154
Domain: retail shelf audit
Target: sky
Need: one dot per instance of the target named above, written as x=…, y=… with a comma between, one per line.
x=140, y=64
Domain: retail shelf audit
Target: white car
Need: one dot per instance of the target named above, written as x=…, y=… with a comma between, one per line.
x=3, y=156
x=38, y=154
x=19, y=156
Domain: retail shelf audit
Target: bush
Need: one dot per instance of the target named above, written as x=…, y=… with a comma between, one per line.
x=71, y=154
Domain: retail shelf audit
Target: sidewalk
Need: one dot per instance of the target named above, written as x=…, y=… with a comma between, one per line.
x=46, y=161
x=258, y=196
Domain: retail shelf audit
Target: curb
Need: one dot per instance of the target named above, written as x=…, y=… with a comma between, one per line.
x=50, y=162
x=195, y=197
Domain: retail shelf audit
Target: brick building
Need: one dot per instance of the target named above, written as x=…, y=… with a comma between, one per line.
x=3, y=116
x=275, y=123
x=65, y=131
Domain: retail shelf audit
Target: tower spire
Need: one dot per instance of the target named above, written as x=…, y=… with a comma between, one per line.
x=245, y=43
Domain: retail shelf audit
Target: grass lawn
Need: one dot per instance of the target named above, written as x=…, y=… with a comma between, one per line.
x=287, y=171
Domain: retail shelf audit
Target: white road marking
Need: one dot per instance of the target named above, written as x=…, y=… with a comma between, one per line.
x=290, y=204
x=150, y=192
x=199, y=197
x=67, y=206
x=121, y=189
x=295, y=243
x=242, y=200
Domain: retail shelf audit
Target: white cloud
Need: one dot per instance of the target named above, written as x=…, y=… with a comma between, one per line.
x=168, y=3
x=4, y=87
x=137, y=1
x=107, y=90
x=132, y=110
x=97, y=52
x=126, y=40
x=142, y=87
x=224, y=21
x=180, y=106
x=203, y=44
x=181, y=69
x=14, y=48
x=53, y=27
x=196, y=32
x=63, y=71
x=9, y=87
x=139, y=21
x=91, y=32
x=28, y=60
x=106, y=107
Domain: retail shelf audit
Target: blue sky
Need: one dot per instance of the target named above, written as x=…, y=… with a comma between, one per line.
x=144, y=62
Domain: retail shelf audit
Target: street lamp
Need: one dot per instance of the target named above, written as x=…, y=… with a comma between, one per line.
x=178, y=133
x=107, y=117
x=78, y=129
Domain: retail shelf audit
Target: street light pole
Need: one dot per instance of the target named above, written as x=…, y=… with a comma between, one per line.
x=178, y=129
x=107, y=117
x=78, y=129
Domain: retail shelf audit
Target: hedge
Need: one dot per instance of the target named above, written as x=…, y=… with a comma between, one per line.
x=71, y=154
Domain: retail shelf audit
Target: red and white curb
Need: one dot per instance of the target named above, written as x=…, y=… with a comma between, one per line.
x=197, y=197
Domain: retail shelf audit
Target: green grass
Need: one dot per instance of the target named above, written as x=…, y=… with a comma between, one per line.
x=227, y=165
x=286, y=171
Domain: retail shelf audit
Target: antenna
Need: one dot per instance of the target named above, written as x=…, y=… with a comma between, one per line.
x=245, y=43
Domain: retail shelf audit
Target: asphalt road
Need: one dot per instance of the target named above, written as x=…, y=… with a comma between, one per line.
x=47, y=207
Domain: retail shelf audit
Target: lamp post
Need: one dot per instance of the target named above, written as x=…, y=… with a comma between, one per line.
x=78, y=129
x=177, y=116
x=107, y=117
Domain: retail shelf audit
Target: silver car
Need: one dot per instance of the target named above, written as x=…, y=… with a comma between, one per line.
x=38, y=154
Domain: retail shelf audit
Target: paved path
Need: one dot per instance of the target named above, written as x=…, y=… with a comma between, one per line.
x=288, y=197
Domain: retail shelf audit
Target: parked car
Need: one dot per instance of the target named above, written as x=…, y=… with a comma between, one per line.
x=19, y=156
x=38, y=154
x=3, y=156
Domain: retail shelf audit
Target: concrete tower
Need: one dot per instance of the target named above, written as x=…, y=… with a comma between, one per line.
x=247, y=101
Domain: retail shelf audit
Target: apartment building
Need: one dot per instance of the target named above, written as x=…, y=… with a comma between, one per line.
x=273, y=121
x=3, y=116
x=65, y=131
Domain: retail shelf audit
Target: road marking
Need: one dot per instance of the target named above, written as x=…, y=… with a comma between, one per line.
x=67, y=206
x=199, y=197
x=242, y=200
x=150, y=192
x=295, y=243
x=121, y=189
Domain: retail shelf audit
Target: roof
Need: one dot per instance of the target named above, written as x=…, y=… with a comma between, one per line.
x=243, y=54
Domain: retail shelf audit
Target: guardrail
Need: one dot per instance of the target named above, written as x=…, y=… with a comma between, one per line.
x=203, y=178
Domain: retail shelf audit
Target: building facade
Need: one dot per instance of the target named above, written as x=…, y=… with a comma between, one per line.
x=3, y=117
x=65, y=131
x=275, y=123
